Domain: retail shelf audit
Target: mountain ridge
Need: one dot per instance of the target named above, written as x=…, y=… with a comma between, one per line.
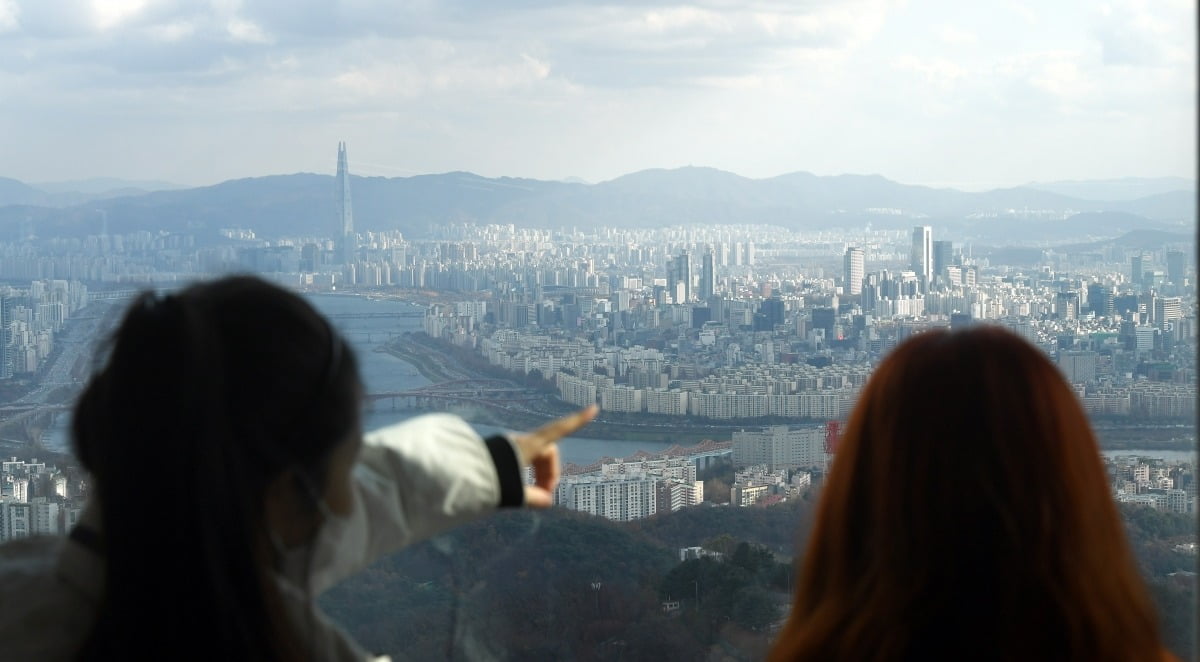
x=303, y=203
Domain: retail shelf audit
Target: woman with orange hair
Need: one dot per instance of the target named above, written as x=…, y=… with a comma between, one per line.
x=968, y=516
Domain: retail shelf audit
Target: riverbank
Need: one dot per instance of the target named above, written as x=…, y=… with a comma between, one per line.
x=425, y=364
x=436, y=362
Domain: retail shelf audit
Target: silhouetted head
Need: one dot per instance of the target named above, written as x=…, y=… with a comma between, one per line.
x=226, y=415
x=968, y=514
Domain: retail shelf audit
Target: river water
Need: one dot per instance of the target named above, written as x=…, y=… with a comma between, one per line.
x=383, y=372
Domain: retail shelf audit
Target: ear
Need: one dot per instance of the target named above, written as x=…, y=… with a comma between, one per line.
x=286, y=510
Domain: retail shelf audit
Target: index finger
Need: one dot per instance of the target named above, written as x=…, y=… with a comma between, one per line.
x=557, y=429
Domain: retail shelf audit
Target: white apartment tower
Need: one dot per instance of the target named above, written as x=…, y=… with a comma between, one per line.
x=853, y=271
x=780, y=447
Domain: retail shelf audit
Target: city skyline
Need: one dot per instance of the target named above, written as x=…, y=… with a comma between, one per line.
x=934, y=93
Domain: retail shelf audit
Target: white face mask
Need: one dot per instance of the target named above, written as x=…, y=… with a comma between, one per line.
x=295, y=562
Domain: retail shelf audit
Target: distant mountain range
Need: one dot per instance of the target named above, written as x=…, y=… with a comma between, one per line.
x=78, y=192
x=1125, y=188
x=304, y=204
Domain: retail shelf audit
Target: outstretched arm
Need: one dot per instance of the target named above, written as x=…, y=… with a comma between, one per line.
x=431, y=473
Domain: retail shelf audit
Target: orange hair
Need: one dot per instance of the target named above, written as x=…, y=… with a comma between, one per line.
x=968, y=516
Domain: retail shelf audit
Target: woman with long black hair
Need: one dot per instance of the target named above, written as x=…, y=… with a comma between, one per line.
x=232, y=484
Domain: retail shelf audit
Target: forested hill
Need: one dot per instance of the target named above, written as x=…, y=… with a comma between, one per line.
x=519, y=586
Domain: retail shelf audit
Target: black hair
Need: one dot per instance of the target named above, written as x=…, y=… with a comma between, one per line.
x=208, y=396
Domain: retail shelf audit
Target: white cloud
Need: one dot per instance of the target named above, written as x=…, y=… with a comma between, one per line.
x=110, y=13
x=1134, y=33
x=939, y=72
x=10, y=15
x=956, y=36
x=172, y=32
x=243, y=30
x=1027, y=14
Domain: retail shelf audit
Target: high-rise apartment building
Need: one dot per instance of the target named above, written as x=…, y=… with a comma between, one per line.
x=6, y=348
x=922, y=254
x=620, y=499
x=347, y=243
x=853, y=270
x=779, y=447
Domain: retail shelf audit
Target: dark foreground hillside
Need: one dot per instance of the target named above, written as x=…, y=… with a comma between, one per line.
x=560, y=585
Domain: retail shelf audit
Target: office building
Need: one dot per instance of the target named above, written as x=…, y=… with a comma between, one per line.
x=943, y=256
x=1175, y=266
x=679, y=278
x=1167, y=309
x=1137, y=267
x=1078, y=367
x=922, y=254
x=1066, y=305
x=1100, y=299
x=708, y=275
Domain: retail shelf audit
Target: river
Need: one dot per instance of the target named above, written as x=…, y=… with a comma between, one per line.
x=383, y=372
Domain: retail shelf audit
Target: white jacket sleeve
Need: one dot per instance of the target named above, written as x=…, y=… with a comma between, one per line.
x=413, y=480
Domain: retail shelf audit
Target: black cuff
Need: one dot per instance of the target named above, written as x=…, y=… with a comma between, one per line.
x=504, y=455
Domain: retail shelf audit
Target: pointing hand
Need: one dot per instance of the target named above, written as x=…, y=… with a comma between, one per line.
x=539, y=449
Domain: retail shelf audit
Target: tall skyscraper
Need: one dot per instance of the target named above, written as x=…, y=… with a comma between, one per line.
x=1175, y=267
x=922, y=254
x=1066, y=305
x=1100, y=299
x=708, y=274
x=672, y=279
x=679, y=278
x=347, y=243
x=943, y=256
x=853, y=271
x=683, y=266
x=1136, y=268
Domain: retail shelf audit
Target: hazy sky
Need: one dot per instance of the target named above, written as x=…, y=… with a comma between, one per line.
x=972, y=94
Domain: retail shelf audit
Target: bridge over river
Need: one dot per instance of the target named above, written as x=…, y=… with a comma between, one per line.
x=486, y=392
x=405, y=314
